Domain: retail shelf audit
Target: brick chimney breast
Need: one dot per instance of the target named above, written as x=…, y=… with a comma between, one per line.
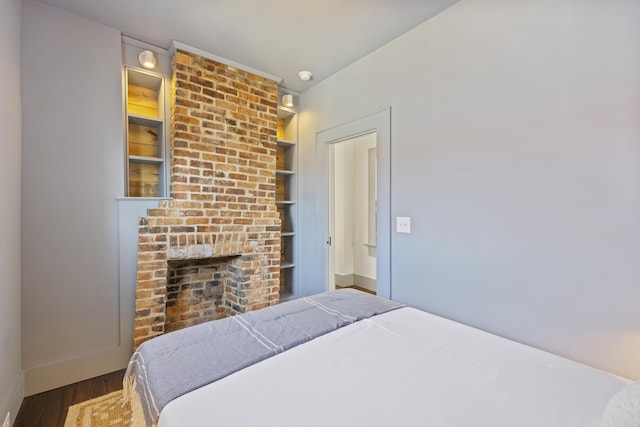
x=218, y=239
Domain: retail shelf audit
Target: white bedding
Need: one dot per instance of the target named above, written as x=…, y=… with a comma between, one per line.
x=407, y=368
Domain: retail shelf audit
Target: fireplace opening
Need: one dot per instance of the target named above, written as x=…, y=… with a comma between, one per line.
x=195, y=291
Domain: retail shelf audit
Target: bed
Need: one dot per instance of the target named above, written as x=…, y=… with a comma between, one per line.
x=382, y=364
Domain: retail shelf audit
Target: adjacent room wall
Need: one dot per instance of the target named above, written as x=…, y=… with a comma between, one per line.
x=516, y=153
x=353, y=264
x=11, y=377
x=73, y=164
x=344, y=211
x=364, y=264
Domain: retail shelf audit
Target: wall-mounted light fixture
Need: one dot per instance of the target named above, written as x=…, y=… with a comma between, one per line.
x=147, y=59
x=287, y=100
x=305, y=75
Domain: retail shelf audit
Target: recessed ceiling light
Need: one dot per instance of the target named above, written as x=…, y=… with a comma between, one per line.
x=305, y=75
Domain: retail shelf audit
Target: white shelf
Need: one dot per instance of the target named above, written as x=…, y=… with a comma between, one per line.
x=145, y=120
x=285, y=143
x=148, y=160
x=146, y=78
x=285, y=112
x=285, y=296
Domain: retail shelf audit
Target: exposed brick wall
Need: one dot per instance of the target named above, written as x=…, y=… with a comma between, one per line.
x=222, y=184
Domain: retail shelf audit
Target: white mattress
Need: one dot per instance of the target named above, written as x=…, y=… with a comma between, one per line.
x=408, y=368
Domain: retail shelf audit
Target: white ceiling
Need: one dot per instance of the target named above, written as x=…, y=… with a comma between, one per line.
x=280, y=37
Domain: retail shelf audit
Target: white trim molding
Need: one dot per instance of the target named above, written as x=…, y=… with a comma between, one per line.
x=144, y=45
x=13, y=400
x=380, y=123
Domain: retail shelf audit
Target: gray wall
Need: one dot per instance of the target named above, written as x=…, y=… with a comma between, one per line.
x=72, y=173
x=516, y=152
x=11, y=378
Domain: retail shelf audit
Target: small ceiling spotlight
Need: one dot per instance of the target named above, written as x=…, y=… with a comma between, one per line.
x=147, y=59
x=305, y=75
x=287, y=100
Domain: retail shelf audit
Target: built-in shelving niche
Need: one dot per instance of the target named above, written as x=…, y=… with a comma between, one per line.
x=286, y=197
x=145, y=121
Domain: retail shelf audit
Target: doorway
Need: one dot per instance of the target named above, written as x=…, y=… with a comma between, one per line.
x=352, y=213
x=377, y=125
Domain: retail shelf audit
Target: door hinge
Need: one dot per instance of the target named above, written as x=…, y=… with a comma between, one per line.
x=329, y=241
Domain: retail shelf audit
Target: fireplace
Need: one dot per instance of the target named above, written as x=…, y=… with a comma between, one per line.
x=195, y=291
x=213, y=250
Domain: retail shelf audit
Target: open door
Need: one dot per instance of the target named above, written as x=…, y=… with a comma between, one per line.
x=379, y=125
x=352, y=213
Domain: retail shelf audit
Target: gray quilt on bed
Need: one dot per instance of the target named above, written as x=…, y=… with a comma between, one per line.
x=176, y=363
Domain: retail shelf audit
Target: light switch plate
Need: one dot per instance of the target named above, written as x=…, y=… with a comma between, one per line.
x=403, y=224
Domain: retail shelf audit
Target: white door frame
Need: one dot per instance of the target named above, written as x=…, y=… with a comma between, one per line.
x=331, y=209
x=331, y=217
x=380, y=123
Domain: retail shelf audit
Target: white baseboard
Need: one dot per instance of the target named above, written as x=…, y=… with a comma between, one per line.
x=12, y=401
x=364, y=282
x=344, y=279
x=53, y=375
x=355, y=279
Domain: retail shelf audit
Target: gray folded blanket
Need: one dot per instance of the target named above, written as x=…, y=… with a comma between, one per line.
x=176, y=363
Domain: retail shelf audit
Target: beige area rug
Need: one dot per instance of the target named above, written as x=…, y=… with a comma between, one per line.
x=103, y=411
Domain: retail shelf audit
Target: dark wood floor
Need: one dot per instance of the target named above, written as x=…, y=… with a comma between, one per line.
x=356, y=287
x=49, y=409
